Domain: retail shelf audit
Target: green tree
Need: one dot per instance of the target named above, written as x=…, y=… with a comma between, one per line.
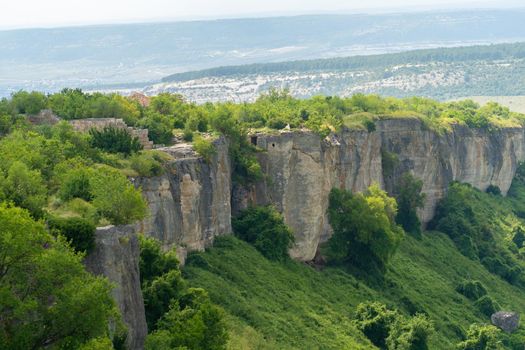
x=24, y=102
x=410, y=334
x=375, y=320
x=47, y=299
x=78, y=231
x=365, y=233
x=153, y=261
x=115, y=140
x=409, y=200
x=115, y=197
x=481, y=337
x=75, y=183
x=264, y=227
x=25, y=188
x=160, y=127
x=193, y=323
x=160, y=293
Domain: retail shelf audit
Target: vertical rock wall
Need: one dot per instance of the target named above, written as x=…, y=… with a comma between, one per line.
x=301, y=169
x=116, y=256
x=190, y=203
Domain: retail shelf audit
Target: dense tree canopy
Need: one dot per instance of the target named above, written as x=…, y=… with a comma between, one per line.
x=409, y=200
x=47, y=298
x=365, y=233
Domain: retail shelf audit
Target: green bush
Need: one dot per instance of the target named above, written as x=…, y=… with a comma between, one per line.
x=76, y=184
x=410, y=334
x=473, y=290
x=518, y=237
x=486, y=305
x=24, y=102
x=147, y=163
x=204, y=147
x=388, y=329
x=481, y=337
x=193, y=323
x=160, y=293
x=116, y=198
x=79, y=232
x=114, y=140
x=264, y=227
x=495, y=190
x=153, y=261
x=48, y=298
x=365, y=233
x=409, y=200
x=160, y=128
x=473, y=221
x=375, y=321
x=24, y=187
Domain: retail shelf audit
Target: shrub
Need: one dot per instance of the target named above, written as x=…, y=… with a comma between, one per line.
x=365, y=233
x=160, y=293
x=153, y=261
x=204, y=147
x=116, y=198
x=24, y=102
x=481, y=337
x=194, y=323
x=187, y=135
x=410, y=334
x=114, y=140
x=79, y=232
x=495, y=190
x=389, y=162
x=473, y=290
x=48, y=298
x=409, y=199
x=76, y=184
x=84, y=209
x=25, y=188
x=486, y=305
x=147, y=164
x=375, y=320
x=160, y=128
x=388, y=329
x=264, y=227
x=519, y=237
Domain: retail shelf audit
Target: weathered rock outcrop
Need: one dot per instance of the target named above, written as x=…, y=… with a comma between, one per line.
x=116, y=256
x=190, y=203
x=506, y=320
x=301, y=168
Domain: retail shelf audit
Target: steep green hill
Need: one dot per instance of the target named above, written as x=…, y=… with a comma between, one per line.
x=296, y=306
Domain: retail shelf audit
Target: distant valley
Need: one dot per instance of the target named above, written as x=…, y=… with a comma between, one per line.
x=134, y=56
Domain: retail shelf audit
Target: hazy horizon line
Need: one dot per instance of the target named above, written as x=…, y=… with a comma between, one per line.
x=264, y=15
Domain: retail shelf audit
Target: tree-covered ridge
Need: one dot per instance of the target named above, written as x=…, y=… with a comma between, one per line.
x=168, y=114
x=485, y=52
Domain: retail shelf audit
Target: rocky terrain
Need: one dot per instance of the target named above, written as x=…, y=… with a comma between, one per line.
x=191, y=204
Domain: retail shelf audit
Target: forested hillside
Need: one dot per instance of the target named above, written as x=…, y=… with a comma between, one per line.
x=444, y=73
x=379, y=280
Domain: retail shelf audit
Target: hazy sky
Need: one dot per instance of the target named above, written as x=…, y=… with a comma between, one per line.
x=31, y=13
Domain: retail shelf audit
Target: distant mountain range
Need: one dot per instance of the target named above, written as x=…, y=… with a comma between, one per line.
x=134, y=54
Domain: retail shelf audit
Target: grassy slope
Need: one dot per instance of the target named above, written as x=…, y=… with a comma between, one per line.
x=292, y=305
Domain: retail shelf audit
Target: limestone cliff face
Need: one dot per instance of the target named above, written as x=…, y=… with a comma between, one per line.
x=190, y=204
x=116, y=256
x=301, y=168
